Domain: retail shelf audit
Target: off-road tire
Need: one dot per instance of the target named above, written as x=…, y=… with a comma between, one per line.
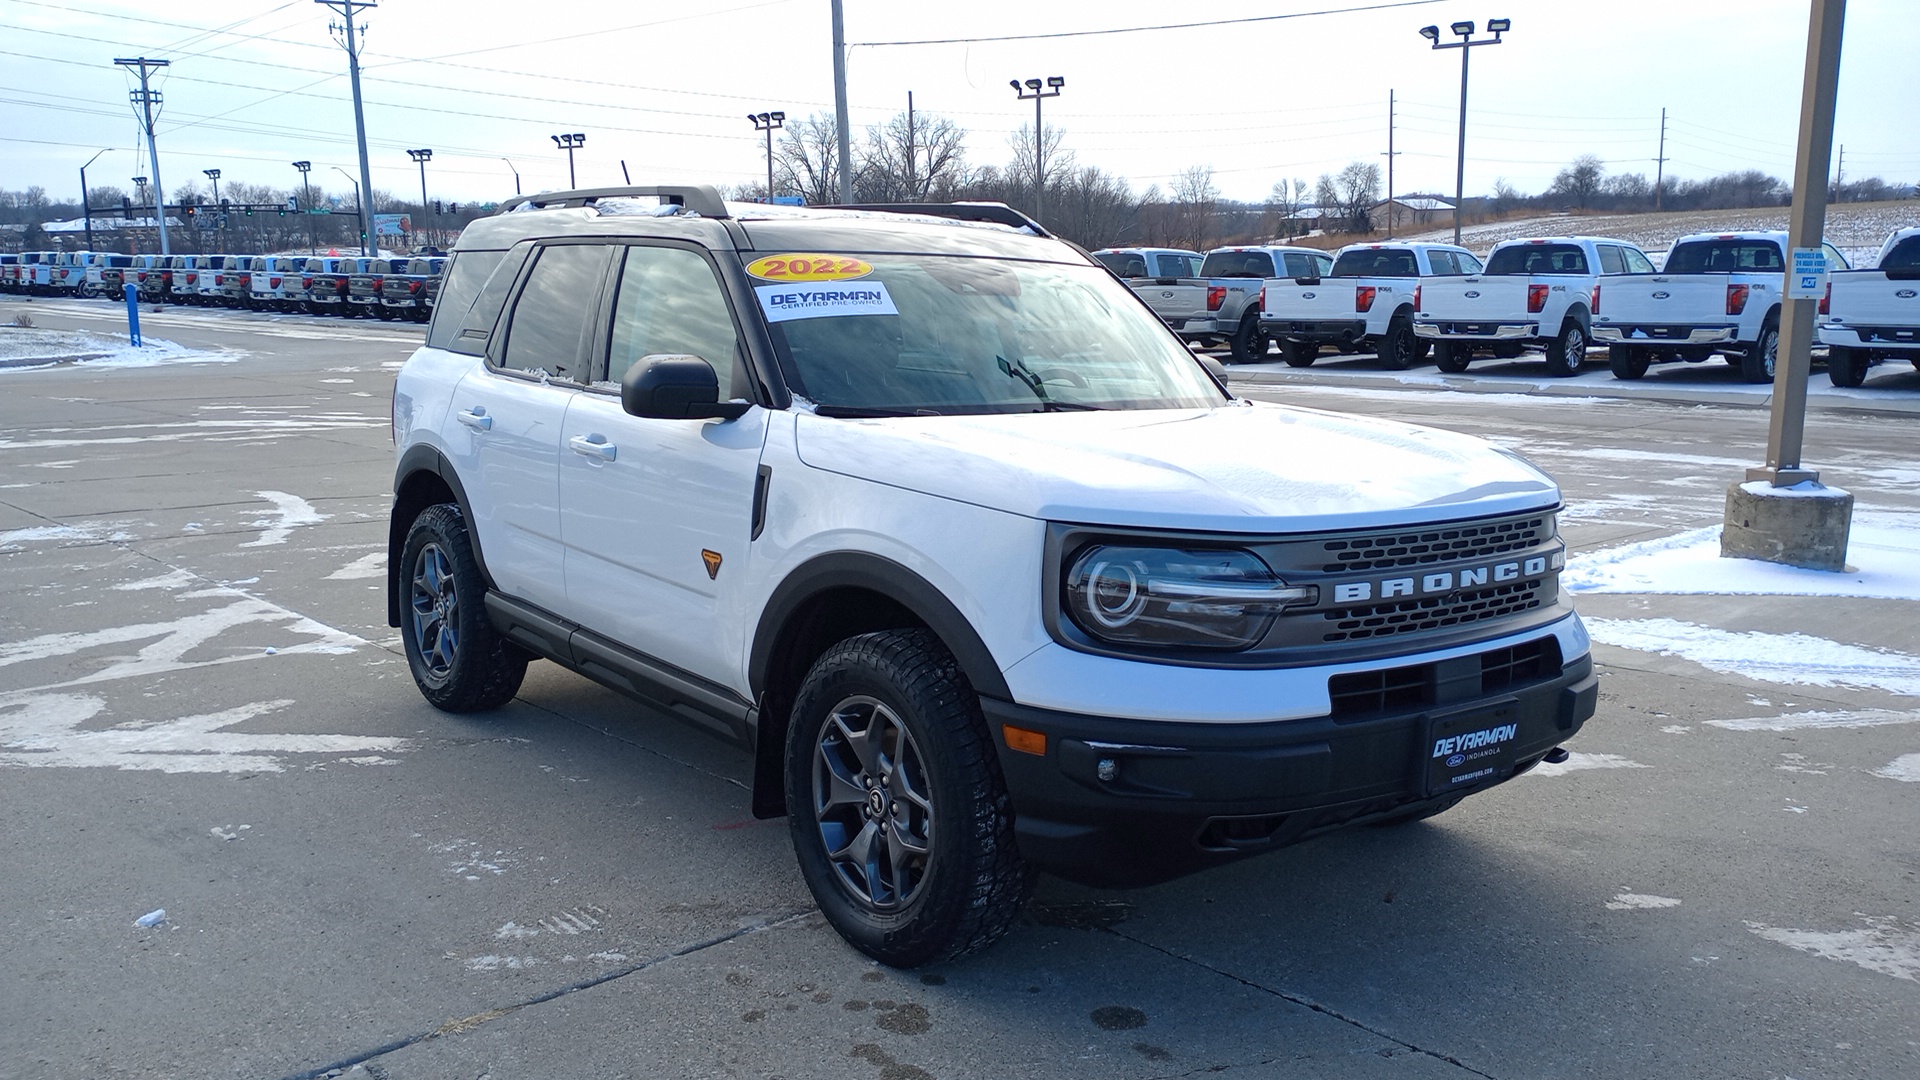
x=459, y=661
x=1298, y=353
x=1399, y=350
x=1451, y=358
x=1848, y=367
x=1627, y=362
x=972, y=881
x=1249, y=344
x=1757, y=362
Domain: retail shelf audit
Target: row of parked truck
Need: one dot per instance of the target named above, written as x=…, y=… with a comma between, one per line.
x=1717, y=294
x=383, y=288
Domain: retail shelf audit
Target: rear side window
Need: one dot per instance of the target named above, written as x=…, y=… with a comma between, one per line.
x=544, y=331
x=1370, y=262
x=1248, y=264
x=1299, y=266
x=1538, y=259
x=670, y=302
x=1124, y=264
x=1177, y=265
x=1443, y=262
x=1725, y=257
x=469, y=271
x=1611, y=260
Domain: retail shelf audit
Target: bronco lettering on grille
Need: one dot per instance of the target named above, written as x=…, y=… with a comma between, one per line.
x=1440, y=584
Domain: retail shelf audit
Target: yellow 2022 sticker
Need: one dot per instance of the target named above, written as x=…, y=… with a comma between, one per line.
x=809, y=268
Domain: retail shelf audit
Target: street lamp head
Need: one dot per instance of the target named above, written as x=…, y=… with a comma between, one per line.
x=579, y=139
x=1015, y=83
x=1431, y=33
x=1056, y=81
x=303, y=166
x=557, y=142
x=1464, y=29
x=420, y=155
x=779, y=118
x=211, y=174
x=1499, y=26
x=1033, y=84
x=141, y=180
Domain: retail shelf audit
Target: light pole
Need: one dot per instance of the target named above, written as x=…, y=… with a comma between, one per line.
x=214, y=175
x=86, y=205
x=306, y=189
x=359, y=212
x=1466, y=44
x=569, y=143
x=768, y=122
x=141, y=183
x=421, y=157
x=516, y=175
x=1034, y=90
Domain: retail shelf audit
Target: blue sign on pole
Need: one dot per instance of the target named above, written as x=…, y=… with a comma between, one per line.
x=133, y=314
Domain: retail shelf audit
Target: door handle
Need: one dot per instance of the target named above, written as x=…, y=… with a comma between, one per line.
x=593, y=446
x=476, y=418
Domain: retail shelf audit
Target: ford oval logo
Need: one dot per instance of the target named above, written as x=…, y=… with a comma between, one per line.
x=1906, y=294
x=1306, y=296
x=1166, y=296
x=1661, y=295
x=1471, y=293
x=1456, y=760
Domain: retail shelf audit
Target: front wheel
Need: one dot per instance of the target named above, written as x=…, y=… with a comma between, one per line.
x=1398, y=348
x=1249, y=344
x=1451, y=358
x=1757, y=362
x=899, y=814
x=1847, y=367
x=459, y=661
x=1568, y=350
x=1627, y=362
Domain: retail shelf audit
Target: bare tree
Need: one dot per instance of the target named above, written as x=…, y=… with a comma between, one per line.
x=902, y=162
x=1505, y=196
x=1094, y=209
x=1195, y=200
x=807, y=159
x=1056, y=161
x=1580, y=181
x=1284, y=203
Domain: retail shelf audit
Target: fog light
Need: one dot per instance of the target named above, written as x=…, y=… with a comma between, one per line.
x=1108, y=770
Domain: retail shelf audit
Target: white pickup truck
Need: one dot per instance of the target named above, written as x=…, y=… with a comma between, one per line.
x=1222, y=305
x=1366, y=301
x=1874, y=315
x=1718, y=293
x=1533, y=292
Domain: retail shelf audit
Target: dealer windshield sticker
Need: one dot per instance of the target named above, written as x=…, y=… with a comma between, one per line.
x=809, y=268
x=784, y=303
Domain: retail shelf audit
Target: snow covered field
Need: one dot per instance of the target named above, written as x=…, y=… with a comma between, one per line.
x=30, y=347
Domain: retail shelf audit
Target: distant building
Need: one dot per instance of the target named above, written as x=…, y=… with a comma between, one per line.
x=1411, y=211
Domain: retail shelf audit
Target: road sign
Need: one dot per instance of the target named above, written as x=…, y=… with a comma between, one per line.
x=1807, y=280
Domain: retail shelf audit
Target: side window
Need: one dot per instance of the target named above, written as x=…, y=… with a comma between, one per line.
x=1469, y=264
x=543, y=333
x=1611, y=261
x=1637, y=262
x=470, y=270
x=484, y=316
x=670, y=302
x=1442, y=261
x=1835, y=260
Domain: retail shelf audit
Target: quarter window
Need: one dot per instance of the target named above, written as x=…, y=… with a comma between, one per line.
x=543, y=334
x=1637, y=263
x=1611, y=261
x=670, y=302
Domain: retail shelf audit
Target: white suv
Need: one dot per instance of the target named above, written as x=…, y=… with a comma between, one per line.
x=986, y=570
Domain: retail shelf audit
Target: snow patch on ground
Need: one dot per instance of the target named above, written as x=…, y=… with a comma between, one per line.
x=1885, y=563
x=1905, y=768
x=27, y=348
x=1575, y=762
x=1883, y=946
x=1627, y=901
x=1812, y=720
x=1798, y=659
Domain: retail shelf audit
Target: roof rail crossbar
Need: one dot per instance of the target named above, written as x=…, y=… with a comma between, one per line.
x=698, y=198
x=993, y=212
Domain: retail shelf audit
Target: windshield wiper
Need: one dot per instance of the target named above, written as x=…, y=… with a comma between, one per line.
x=861, y=412
x=1017, y=369
x=1054, y=405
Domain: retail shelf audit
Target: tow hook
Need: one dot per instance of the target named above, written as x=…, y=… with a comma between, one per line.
x=1556, y=755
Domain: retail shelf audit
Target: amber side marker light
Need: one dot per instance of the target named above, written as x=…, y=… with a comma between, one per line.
x=1027, y=742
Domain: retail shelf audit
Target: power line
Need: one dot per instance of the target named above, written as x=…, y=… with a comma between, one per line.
x=1145, y=29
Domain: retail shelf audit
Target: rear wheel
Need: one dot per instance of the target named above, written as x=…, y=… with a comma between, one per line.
x=899, y=814
x=1249, y=344
x=1847, y=367
x=1568, y=350
x=1451, y=358
x=1627, y=362
x=1757, y=362
x=1397, y=347
x=459, y=661
x=1298, y=353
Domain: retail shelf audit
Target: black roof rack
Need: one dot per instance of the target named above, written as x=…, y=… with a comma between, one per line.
x=698, y=198
x=993, y=212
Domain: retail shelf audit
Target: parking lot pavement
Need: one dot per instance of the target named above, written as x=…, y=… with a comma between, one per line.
x=202, y=710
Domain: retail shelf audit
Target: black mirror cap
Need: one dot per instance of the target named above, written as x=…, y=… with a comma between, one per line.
x=669, y=386
x=1216, y=369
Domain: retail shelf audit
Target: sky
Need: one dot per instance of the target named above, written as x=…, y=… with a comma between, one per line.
x=666, y=89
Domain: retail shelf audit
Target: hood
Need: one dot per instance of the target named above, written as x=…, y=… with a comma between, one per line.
x=1246, y=467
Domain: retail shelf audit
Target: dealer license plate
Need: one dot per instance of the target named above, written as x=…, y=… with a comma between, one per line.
x=1468, y=748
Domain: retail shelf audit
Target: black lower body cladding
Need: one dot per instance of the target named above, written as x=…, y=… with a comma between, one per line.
x=1122, y=803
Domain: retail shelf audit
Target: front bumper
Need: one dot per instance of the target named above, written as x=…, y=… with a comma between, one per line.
x=1647, y=334
x=1125, y=803
x=1444, y=330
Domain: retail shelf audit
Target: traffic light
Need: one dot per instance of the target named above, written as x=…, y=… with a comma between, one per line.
x=453, y=208
x=249, y=209
x=436, y=206
x=126, y=208
x=189, y=211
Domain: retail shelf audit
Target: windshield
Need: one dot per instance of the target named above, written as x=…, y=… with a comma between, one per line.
x=1537, y=259
x=1724, y=257
x=1237, y=264
x=1371, y=262
x=940, y=335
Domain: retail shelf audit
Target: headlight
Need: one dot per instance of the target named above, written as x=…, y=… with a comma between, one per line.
x=1173, y=597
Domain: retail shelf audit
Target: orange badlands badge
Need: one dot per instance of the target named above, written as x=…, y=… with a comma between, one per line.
x=712, y=559
x=809, y=268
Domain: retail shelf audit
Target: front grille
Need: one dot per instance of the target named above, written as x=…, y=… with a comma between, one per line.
x=1417, y=547
x=1359, y=694
x=1434, y=613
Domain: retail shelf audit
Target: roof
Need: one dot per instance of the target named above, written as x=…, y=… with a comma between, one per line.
x=1417, y=202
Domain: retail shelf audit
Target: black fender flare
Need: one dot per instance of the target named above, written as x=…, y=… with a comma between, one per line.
x=422, y=458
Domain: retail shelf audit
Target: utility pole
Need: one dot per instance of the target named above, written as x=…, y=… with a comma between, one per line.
x=1033, y=90
x=1660, y=163
x=86, y=204
x=147, y=98
x=422, y=157
x=1391, y=154
x=346, y=8
x=913, y=153
x=313, y=241
x=1840, y=173
x=842, y=125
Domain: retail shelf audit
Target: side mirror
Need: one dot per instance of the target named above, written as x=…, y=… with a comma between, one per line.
x=669, y=386
x=1216, y=369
